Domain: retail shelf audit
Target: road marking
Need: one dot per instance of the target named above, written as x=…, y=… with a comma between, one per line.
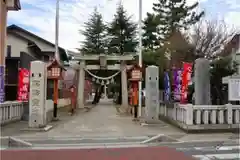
x=225, y=156
x=218, y=156
x=205, y=148
x=201, y=157
x=222, y=148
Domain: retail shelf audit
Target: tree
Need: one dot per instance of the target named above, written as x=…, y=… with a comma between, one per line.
x=122, y=37
x=150, y=39
x=95, y=43
x=122, y=33
x=222, y=67
x=95, y=35
x=175, y=15
x=209, y=38
x=157, y=58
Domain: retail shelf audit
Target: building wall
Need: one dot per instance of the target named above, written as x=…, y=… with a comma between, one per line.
x=43, y=46
x=18, y=50
x=25, y=60
x=17, y=45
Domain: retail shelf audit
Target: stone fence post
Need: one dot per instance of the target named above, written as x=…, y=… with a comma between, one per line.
x=189, y=114
x=229, y=113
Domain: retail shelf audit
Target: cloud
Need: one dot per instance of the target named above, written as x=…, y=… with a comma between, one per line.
x=40, y=15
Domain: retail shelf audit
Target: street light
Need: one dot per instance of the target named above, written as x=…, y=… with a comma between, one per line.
x=140, y=57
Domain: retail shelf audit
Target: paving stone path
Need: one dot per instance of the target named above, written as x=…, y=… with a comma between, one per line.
x=103, y=121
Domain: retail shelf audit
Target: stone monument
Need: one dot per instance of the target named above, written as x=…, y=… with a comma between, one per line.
x=152, y=93
x=37, y=97
x=202, y=82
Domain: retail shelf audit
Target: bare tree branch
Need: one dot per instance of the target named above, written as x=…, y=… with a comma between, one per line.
x=209, y=37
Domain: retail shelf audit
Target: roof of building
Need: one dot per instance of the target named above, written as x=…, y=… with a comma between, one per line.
x=233, y=43
x=16, y=6
x=64, y=56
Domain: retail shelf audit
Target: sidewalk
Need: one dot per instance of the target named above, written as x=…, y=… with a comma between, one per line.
x=102, y=121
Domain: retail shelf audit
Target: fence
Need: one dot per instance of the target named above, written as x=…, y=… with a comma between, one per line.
x=11, y=111
x=201, y=117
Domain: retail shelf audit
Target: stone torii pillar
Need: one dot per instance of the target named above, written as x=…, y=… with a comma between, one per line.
x=124, y=84
x=81, y=82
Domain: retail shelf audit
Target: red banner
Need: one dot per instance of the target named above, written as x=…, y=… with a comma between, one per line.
x=186, y=77
x=23, y=84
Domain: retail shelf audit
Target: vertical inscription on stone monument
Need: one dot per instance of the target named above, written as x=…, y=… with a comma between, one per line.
x=37, y=113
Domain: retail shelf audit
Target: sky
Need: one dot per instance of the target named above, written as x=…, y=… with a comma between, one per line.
x=38, y=16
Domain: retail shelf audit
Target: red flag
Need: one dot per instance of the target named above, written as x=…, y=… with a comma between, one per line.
x=186, y=77
x=23, y=84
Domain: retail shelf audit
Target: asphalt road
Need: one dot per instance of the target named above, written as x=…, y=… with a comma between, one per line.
x=211, y=150
x=202, y=150
x=228, y=150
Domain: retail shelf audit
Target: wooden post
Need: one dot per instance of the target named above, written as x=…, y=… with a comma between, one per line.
x=135, y=99
x=3, y=22
x=55, y=98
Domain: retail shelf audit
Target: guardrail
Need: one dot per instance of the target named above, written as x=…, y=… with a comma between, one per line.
x=202, y=117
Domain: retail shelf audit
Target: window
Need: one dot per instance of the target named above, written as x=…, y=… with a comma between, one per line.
x=51, y=58
x=9, y=50
x=46, y=58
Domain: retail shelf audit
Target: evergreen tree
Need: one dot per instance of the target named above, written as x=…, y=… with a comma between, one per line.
x=95, y=35
x=150, y=39
x=95, y=43
x=122, y=33
x=175, y=15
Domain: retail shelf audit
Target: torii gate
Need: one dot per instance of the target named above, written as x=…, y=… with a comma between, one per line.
x=122, y=67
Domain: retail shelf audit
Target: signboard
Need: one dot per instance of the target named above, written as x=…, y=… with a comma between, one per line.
x=23, y=84
x=234, y=89
x=136, y=74
x=2, y=93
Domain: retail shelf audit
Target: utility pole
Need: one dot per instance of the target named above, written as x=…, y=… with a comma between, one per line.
x=57, y=30
x=57, y=58
x=140, y=58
